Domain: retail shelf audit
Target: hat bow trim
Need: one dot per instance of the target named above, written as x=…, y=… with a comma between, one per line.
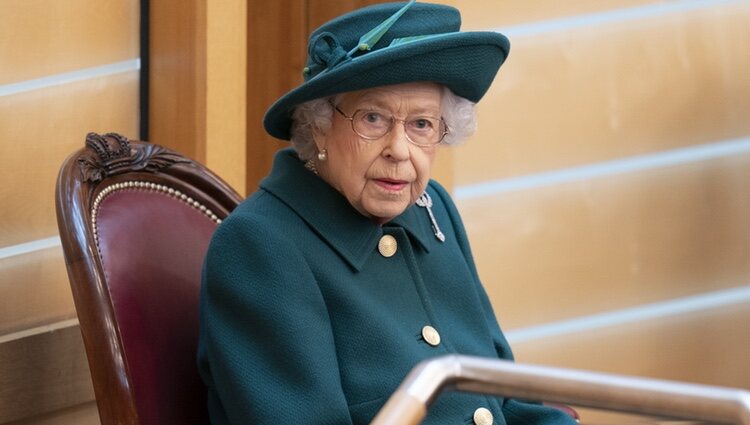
x=325, y=52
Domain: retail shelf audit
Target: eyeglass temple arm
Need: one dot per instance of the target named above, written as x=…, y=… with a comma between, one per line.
x=408, y=405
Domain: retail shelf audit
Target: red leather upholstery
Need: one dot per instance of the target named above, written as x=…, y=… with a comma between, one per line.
x=152, y=248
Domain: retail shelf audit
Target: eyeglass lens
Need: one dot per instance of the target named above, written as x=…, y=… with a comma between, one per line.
x=421, y=130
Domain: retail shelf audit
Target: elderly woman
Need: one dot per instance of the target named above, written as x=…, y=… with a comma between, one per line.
x=349, y=265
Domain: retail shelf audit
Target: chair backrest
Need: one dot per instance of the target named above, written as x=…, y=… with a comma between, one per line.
x=135, y=221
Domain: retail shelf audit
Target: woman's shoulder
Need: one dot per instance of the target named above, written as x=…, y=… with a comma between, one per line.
x=261, y=220
x=441, y=197
x=261, y=208
x=438, y=188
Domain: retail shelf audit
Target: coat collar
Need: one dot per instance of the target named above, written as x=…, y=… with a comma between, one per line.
x=331, y=216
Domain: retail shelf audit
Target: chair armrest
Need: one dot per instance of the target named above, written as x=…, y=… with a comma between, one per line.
x=408, y=405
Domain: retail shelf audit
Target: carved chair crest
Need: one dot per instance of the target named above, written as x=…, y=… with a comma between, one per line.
x=111, y=154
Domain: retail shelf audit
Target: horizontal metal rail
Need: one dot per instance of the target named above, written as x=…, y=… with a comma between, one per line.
x=409, y=404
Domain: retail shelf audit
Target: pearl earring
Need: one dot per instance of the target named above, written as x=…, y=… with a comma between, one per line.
x=323, y=155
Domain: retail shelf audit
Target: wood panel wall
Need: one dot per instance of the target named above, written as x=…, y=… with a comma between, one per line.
x=606, y=192
x=590, y=86
x=67, y=68
x=197, y=81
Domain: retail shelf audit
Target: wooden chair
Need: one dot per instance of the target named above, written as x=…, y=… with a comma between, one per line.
x=135, y=221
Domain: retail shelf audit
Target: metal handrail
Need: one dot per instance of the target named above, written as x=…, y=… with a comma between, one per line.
x=408, y=405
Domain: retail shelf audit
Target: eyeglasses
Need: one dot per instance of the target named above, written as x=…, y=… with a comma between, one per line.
x=420, y=130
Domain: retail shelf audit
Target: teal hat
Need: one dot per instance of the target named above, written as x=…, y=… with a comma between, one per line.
x=388, y=44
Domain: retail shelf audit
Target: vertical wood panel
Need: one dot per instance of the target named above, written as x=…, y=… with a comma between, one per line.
x=322, y=11
x=176, y=114
x=226, y=97
x=197, y=82
x=276, y=43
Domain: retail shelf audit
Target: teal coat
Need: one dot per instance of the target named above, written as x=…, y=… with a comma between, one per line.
x=303, y=321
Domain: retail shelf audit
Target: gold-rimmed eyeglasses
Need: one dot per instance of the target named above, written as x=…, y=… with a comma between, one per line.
x=420, y=130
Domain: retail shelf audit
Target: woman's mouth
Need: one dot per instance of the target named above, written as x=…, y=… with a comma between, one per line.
x=391, y=185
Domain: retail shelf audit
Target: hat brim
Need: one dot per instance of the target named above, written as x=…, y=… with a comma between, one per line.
x=465, y=62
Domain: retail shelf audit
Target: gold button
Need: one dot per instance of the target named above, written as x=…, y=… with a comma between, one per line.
x=483, y=416
x=387, y=246
x=431, y=335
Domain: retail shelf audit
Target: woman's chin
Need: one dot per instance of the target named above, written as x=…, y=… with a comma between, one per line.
x=384, y=211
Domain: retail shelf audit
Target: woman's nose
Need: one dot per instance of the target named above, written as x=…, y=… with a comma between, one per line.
x=397, y=147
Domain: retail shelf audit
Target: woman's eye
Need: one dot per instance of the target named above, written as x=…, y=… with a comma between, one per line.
x=421, y=124
x=373, y=117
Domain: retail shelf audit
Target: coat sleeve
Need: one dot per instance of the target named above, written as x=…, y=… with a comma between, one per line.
x=266, y=349
x=516, y=412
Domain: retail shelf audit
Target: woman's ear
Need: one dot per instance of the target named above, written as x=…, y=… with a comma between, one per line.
x=320, y=138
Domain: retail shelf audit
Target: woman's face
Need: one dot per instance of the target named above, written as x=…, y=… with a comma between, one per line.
x=383, y=177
